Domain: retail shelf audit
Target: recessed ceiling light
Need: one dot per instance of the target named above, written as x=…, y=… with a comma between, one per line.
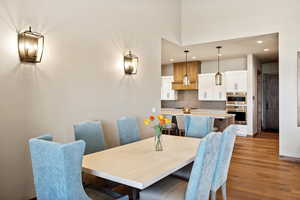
x=194, y=57
x=259, y=41
x=266, y=49
x=171, y=60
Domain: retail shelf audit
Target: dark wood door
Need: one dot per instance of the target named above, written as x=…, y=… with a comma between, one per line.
x=270, y=102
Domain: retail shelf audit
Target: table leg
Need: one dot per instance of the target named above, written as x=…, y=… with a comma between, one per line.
x=135, y=194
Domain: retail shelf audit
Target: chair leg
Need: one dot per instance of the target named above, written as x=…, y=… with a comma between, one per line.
x=224, y=193
x=213, y=195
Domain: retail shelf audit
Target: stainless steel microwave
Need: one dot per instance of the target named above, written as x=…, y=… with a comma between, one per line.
x=236, y=98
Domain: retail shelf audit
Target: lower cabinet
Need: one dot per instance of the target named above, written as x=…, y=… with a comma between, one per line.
x=167, y=93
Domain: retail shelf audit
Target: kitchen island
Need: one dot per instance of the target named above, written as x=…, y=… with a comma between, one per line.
x=222, y=119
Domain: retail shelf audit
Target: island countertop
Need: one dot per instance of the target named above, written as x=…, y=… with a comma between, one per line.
x=217, y=114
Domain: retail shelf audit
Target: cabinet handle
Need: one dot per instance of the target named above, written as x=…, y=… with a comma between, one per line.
x=235, y=86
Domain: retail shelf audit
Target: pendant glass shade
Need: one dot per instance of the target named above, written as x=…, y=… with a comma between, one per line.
x=31, y=46
x=130, y=63
x=218, y=78
x=186, y=80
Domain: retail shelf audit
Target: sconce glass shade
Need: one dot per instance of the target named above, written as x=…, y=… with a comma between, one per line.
x=31, y=46
x=130, y=63
x=218, y=78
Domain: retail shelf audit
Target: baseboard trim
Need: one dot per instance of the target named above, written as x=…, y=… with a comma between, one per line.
x=252, y=135
x=255, y=134
x=290, y=159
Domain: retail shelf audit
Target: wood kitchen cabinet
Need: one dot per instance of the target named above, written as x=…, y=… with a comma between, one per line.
x=180, y=70
x=208, y=90
x=236, y=81
x=167, y=93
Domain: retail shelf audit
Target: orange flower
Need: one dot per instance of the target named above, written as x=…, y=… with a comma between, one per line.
x=167, y=121
x=151, y=117
x=162, y=122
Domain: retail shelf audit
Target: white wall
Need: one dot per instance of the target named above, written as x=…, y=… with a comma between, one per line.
x=211, y=20
x=81, y=75
x=211, y=66
x=252, y=109
x=232, y=64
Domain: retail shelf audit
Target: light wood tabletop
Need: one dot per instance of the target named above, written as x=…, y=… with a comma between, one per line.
x=138, y=165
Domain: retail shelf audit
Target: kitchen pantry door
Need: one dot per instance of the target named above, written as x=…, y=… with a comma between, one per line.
x=270, y=102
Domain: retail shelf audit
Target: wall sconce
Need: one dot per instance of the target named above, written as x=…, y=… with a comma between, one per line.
x=31, y=46
x=130, y=63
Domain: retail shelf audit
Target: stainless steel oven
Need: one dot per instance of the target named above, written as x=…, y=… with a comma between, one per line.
x=240, y=112
x=236, y=98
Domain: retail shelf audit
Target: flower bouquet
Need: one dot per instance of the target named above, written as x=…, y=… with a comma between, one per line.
x=158, y=124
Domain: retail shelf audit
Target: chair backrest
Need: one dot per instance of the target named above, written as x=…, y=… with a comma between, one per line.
x=57, y=169
x=200, y=181
x=198, y=126
x=224, y=157
x=180, y=122
x=186, y=120
x=128, y=130
x=92, y=133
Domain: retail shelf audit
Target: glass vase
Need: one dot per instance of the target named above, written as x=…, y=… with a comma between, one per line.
x=158, y=144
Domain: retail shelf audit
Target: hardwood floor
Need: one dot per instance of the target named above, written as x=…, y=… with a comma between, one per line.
x=256, y=173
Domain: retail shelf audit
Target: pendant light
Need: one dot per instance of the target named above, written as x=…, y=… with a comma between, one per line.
x=186, y=80
x=218, y=76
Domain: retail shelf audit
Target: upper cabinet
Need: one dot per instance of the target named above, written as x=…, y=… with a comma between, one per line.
x=167, y=93
x=236, y=81
x=208, y=90
x=180, y=70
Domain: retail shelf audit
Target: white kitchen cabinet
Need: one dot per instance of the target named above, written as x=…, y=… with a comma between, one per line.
x=236, y=81
x=208, y=90
x=220, y=92
x=167, y=93
x=205, y=87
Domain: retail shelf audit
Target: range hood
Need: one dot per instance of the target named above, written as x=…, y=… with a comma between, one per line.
x=180, y=70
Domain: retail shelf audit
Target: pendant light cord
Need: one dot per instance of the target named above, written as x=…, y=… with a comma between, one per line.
x=219, y=60
x=219, y=49
x=186, y=62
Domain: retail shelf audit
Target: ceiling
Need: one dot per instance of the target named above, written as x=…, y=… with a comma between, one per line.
x=172, y=53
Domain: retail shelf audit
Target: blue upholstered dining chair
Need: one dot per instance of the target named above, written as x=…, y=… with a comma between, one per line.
x=223, y=163
x=198, y=126
x=199, y=185
x=128, y=130
x=57, y=171
x=92, y=133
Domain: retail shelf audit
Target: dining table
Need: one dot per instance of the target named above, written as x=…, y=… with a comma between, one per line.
x=138, y=165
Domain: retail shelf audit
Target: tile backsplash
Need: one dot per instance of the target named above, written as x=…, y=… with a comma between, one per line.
x=189, y=98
